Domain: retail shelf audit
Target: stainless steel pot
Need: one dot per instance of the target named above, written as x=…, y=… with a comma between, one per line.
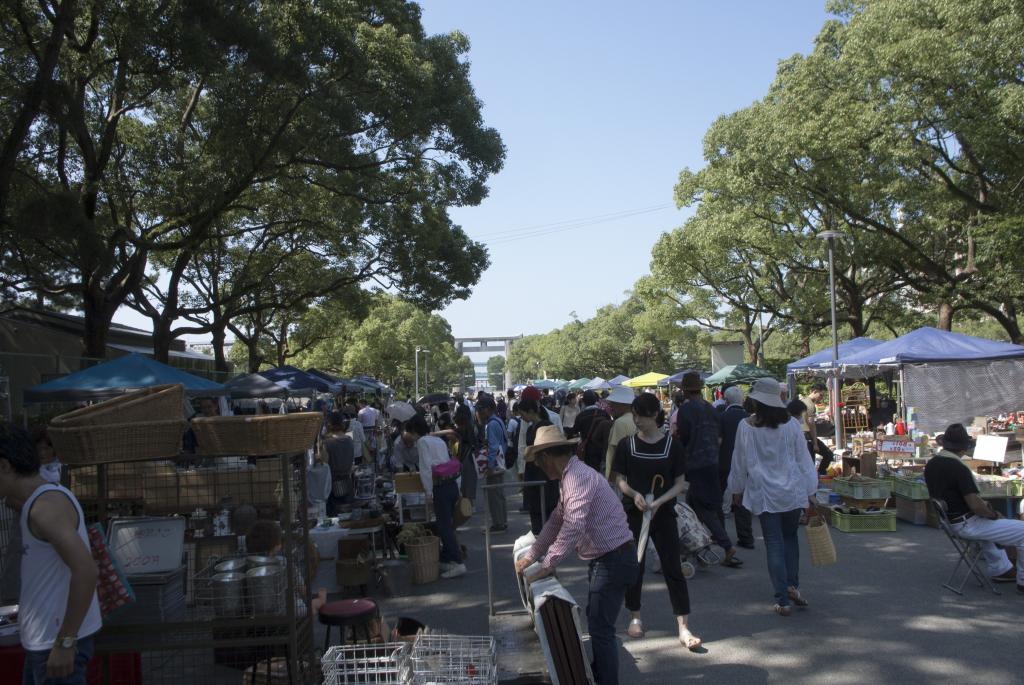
x=230, y=566
x=227, y=590
x=257, y=561
x=267, y=589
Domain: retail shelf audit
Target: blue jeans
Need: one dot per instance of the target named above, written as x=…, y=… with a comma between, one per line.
x=609, y=575
x=446, y=496
x=783, y=550
x=34, y=672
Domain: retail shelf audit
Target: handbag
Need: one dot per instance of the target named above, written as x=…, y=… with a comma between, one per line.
x=112, y=588
x=446, y=470
x=819, y=540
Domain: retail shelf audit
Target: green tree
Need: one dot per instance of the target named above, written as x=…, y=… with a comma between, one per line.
x=496, y=371
x=168, y=123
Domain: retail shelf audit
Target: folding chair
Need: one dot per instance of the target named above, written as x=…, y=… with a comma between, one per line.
x=969, y=551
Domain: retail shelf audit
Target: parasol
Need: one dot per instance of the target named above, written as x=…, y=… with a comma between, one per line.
x=645, y=528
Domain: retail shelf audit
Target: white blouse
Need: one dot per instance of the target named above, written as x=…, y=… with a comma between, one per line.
x=772, y=468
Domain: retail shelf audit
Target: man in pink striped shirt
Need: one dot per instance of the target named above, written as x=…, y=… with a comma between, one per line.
x=589, y=519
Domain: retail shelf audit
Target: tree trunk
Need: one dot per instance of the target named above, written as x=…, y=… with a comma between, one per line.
x=219, y=335
x=162, y=341
x=98, y=315
x=945, y=321
x=255, y=358
x=805, y=342
x=752, y=344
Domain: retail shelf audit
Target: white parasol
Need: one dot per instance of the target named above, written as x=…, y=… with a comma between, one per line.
x=645, y=528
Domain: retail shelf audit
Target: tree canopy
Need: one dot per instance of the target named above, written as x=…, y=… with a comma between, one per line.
x=232, y=164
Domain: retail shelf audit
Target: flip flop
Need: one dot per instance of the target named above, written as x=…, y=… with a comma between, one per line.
x=797, y=598
x=783, y=610
x=732, y=562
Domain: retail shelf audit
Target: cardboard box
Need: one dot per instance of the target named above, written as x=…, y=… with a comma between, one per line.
x=918, y=512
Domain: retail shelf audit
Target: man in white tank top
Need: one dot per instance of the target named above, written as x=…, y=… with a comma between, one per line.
x=58, y=613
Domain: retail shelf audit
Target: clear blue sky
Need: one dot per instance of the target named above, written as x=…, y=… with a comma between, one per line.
x=601, y=104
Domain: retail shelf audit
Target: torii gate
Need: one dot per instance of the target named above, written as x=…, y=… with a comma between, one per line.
x=499, y=344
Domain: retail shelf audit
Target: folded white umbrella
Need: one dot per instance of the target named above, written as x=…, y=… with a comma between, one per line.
x=645, y=527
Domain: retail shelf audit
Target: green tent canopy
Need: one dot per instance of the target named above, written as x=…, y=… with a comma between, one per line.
x=737, y=373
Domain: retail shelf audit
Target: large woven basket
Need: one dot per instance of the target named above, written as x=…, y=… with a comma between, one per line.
x=117, y=442
x=819, y=541
x=158, y=403
x=256, y=435
x=424, y=554
x=140, y=425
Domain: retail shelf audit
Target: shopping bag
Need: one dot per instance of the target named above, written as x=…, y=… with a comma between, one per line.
x=112, y=588
x=693, y=535
x=819, y=541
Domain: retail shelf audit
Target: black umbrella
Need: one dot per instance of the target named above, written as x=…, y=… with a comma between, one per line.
x=435, y=398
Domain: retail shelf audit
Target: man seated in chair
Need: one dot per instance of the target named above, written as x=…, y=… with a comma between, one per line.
x=948, y=479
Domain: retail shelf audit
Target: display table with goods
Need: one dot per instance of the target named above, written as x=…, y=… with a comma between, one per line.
x=196, y=597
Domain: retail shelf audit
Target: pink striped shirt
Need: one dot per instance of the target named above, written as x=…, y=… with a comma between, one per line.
x=589, y=518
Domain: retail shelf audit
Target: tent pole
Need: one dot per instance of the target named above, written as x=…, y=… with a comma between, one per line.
x=903, y=397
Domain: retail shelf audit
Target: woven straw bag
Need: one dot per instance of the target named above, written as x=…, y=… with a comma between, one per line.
x=819, y=540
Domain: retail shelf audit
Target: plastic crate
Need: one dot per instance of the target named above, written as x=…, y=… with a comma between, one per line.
x=909, y=488
x=862, y=488
x=884, y=522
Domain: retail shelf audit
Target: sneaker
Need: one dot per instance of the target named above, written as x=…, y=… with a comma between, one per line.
x=1020, y=589
x=745, y=545
x=445, y=566
x=454, y=571
x=1008, y=577
x=498, y=529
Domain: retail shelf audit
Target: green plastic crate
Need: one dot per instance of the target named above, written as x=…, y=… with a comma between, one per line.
x=864, y=523
x=909, y=487
x=862, y=488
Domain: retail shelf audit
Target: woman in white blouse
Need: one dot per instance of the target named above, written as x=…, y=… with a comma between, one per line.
x=772, y=477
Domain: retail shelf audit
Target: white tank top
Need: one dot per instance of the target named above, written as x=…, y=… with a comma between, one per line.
x=46, y=581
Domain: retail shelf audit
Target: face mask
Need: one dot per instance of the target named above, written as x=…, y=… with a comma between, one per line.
x=50, y=472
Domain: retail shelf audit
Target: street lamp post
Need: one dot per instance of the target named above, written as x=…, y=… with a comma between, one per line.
x=426, y=372
x=831, y=236
x=416, y=383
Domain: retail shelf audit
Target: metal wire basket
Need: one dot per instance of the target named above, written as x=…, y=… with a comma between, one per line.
x=380, y=664
x=454, y=660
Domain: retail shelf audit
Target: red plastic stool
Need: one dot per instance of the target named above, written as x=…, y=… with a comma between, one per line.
x=354, y=614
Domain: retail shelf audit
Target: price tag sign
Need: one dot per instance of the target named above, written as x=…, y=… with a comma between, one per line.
x=897, y=446
x=991, y=448
x=147, y=545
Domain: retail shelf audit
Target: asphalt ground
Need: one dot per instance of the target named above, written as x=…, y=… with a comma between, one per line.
x=880, y=615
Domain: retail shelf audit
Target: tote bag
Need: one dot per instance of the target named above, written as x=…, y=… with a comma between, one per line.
x=819, y=541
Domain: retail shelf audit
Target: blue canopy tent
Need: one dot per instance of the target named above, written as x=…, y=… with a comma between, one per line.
x=677, y=378
x=597, y=384
x=545, y=384
x=618, y=380
x=946, y=377
x=297, y=381
x=252, y=386
x=118, y=376
x=822, y=359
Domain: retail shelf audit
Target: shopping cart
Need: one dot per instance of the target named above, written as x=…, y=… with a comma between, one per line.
x=694, y=541
x=369, y=664
x=454, y=660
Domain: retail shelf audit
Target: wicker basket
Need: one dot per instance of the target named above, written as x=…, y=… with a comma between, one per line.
x=424, y=554
x=819, y=541
x=158, y=403
x=117, y=442
x=256, y=435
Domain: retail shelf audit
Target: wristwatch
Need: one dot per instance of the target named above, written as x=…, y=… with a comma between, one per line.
x=66, y=642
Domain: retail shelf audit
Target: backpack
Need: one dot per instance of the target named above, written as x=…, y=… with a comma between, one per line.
x=581, y=446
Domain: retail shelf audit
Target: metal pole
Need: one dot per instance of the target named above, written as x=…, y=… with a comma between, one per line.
x=426, y=373
x=836, y=418
x=417, y=382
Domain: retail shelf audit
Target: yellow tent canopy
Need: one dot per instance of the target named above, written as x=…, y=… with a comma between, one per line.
x=647, y=380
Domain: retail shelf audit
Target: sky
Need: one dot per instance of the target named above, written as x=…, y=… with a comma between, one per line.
x=600, y=104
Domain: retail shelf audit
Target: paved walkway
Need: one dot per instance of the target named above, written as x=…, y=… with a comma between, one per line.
x=879, y=616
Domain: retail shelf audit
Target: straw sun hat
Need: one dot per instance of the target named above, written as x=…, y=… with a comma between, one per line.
x=768, y=392
x=547, y=437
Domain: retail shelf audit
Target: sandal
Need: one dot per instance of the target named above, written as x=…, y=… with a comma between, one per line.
x=636, y=628
x=797, y=598
x=783, y=610
x=689, y=640
x=730, y=560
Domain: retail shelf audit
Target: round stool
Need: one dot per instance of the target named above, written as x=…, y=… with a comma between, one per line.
x=355, y=614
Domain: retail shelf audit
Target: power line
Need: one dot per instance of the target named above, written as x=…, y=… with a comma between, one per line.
x=526, y=232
